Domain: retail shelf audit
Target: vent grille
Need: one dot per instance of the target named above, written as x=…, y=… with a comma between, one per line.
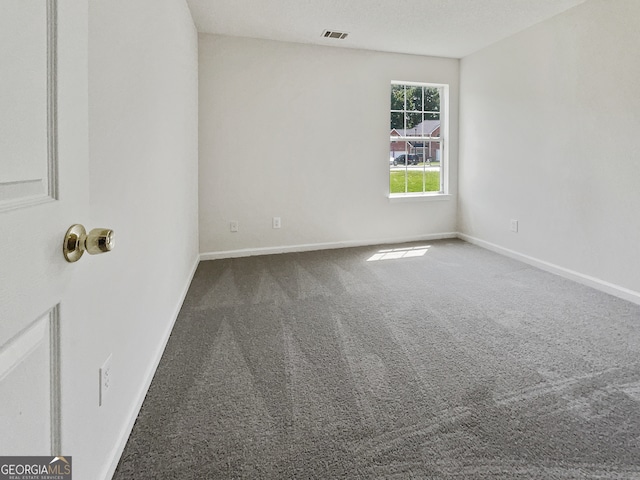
x=334, y=34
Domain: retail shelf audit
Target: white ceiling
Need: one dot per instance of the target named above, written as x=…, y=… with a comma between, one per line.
x=444, y=28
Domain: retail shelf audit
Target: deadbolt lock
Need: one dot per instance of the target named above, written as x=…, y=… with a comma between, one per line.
x=77, y=241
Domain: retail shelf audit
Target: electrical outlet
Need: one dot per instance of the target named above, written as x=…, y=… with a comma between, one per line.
x=234, y=226
x=105, y=380
x=514, y=226
x=276, y=222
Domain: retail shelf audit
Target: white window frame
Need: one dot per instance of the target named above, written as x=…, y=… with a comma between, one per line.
x=443, y=139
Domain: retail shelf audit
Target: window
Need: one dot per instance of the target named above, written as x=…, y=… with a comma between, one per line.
x=417, y=156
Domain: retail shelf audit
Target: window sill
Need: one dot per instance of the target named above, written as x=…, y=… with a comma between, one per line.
x=419, y=197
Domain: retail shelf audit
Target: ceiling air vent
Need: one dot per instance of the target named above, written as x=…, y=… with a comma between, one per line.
x=333, y=34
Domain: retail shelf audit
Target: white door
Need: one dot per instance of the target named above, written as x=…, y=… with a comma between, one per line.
x=43, y=190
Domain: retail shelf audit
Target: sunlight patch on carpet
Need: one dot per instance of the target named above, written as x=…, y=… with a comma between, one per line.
x=396, y=253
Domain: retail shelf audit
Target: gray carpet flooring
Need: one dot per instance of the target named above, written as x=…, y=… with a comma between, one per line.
x=430, y=360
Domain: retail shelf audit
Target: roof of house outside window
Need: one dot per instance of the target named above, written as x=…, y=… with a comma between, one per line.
x=426, y=127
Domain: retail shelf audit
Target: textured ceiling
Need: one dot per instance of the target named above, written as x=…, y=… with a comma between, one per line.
x=444, y=28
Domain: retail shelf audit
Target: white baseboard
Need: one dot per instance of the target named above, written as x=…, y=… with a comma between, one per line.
x=116, y=453
x=248, y=252
x=603, y=286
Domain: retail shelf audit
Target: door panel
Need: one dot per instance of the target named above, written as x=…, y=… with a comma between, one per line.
x=29, y=386
x=27, y=90
x=43, y=190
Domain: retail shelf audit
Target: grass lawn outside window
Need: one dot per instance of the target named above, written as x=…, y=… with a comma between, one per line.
x=414, y=181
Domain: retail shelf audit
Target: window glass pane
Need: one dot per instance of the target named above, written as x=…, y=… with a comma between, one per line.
x=432, y=103
x=415, y=130
x=397, y=97
x=414, y=109
x=398, y=181
x=396, y=149
x=414, y=99
x=397, y=122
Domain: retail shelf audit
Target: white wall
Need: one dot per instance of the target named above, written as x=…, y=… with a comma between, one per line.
x=328, y=109
x=549, y=128
x=143, y=181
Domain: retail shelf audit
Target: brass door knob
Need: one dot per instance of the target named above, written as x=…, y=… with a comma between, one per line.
x=76, y=242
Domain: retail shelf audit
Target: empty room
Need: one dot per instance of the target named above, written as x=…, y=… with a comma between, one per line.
x=320, y=239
